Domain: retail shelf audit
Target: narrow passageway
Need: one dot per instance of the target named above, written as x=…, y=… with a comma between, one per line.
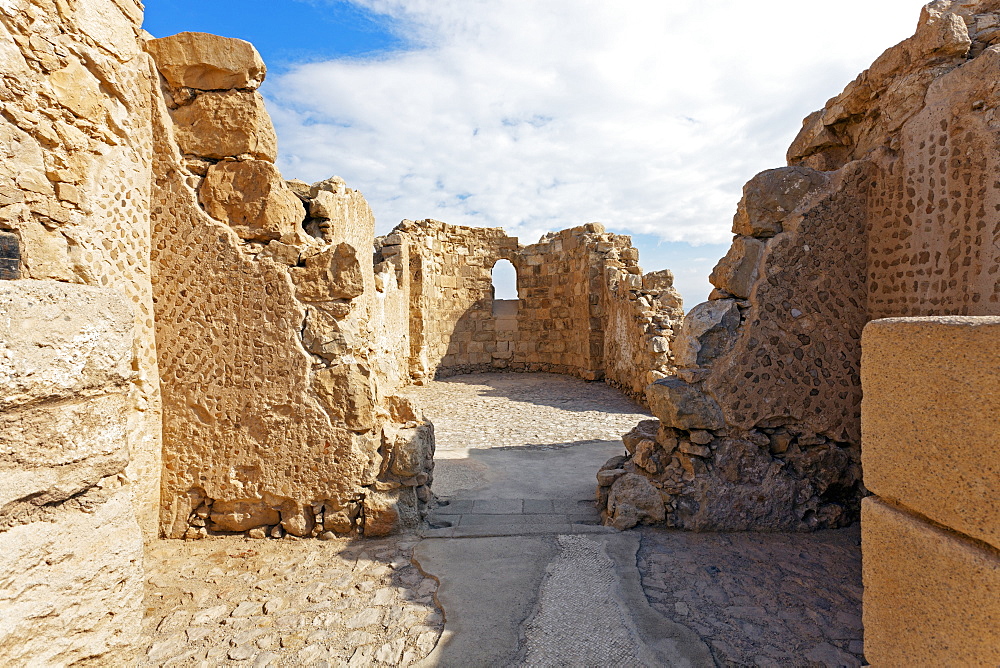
x=517, y=572
x=528, y=577
x=516, y=451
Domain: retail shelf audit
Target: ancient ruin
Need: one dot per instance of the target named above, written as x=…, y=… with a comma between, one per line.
x=884, y=211
x=192, y=346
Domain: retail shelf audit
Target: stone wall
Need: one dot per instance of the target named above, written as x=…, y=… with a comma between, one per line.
x=70, y=546
x=79, y=399
x=584, y=307
x=931, y=533
x=75, y=178
x=275, y=420
x=887, y=208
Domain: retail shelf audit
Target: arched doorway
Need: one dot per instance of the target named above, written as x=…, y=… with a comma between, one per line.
x=505, y=306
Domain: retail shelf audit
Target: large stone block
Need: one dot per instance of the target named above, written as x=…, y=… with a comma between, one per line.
x=59, y=340
x=207, y=62
x=346, y=392
x=226, y=124
x=737, y=271
x=680, y=405
x=707, y=332
x=71, y=589
x=333, y=273
x=932, y=598
x=252, y=198
x=771, y=196
x=931, y=440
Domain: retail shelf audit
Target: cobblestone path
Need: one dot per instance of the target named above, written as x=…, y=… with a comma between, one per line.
x=755, y=599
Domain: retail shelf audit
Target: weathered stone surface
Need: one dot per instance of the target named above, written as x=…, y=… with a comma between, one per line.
x=70, y=546
x=219, y=125
x=252, y=198
x=680, y=405
x=931, y=596
x=347, y=395
x=207, y=62
x=708, y=331
x=242, y=515
x=72, y=588
x=61, y=340
x=770, y=197
x=333, y=273
x=633, y=500
x=386, y=513
x=737, y=271
x=935, y=450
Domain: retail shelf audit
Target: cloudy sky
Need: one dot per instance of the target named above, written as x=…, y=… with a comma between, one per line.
x=536, y=115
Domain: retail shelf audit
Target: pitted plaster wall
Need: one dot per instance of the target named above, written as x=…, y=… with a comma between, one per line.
x=276, y=418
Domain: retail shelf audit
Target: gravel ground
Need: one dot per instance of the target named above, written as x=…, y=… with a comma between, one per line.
x=235, y=601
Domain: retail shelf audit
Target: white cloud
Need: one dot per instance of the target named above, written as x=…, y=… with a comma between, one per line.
x=537, y=115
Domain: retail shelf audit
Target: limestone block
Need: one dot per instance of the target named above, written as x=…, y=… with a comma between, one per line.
x=770, y=196
x=60, y=340
x=346, y=392
x=932, y=597
x=387, y=513
x=326, y=336
x=242, y=515
x=207, y=62
x=252, y=198
x=412, y=448
x=334, y=273
x=929, y=418
x=683, y=406
x=226, y=124
x=71, y=589
x=54, y=451
x=737, y=271
x=707, y=332
x=632, y=500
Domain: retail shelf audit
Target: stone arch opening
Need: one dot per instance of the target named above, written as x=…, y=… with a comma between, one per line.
x=504, y=276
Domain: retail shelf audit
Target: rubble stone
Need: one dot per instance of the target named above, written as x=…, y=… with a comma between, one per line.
x=252, y=198
x=223, y=124
x=207, y=62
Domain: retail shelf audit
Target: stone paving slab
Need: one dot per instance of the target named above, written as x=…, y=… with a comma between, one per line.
x=239, y=602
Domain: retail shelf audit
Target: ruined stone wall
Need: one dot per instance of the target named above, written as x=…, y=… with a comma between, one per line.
x=888, y=208
x=584, y=307
x=79, y=411
x=643, y=315
x=931, y=532
x=447, y=270
x=75, y=178
x=274, y=420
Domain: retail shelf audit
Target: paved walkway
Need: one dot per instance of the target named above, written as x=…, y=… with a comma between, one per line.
x=514, y=569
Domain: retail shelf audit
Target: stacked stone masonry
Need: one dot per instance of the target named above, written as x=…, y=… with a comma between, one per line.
x=584, y=308
x=274, y=421
x=889, y=207
x=931, y=532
